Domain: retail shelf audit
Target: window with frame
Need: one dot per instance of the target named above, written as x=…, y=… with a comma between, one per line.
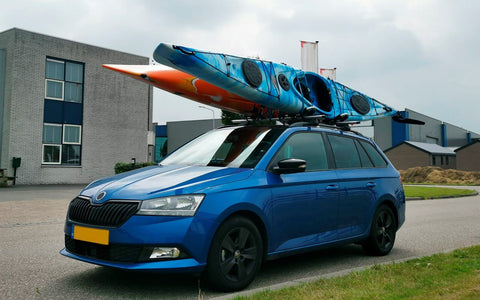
x=62, y=140
x=308, y=146
x=61, y=144
x=64, y=80
x=364, y=158
x=51, y=154
x=345, y=152
x=375, y=156
x=72, y=134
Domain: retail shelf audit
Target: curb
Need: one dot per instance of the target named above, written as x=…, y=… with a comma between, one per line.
x=440, y=197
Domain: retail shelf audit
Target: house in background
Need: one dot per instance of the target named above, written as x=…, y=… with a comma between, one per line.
x=468, y=156
x=416, y=154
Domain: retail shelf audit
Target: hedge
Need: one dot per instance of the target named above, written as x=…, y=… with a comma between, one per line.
x=121, y=167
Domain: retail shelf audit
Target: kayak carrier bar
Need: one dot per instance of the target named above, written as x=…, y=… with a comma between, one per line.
x=338, y=123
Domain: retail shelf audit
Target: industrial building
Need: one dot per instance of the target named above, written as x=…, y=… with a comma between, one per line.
x=432, y=144
x=388, y=133
x=65, y=118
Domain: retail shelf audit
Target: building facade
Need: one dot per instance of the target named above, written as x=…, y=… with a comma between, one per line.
x=181, y=132
x=388, y=133
x=416, y=154
x=468, y=156
x=66, y=117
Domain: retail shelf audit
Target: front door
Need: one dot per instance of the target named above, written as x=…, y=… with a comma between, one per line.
x=304, y=205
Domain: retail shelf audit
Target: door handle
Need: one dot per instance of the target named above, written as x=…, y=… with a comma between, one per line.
x=371, y=184
x=331, y=187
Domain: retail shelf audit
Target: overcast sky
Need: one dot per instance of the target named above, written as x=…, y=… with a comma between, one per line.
x=417, y=54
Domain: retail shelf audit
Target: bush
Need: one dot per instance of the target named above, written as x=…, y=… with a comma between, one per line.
x=121, y=167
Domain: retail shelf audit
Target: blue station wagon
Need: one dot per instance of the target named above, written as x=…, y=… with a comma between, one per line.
x=236, y=196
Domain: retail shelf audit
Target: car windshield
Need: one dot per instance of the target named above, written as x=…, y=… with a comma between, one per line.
x=238, y=147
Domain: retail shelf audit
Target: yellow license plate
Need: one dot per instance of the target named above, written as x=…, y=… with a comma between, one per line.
x=92, y=235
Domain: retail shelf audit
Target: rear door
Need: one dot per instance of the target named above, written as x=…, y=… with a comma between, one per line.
x=356, y=184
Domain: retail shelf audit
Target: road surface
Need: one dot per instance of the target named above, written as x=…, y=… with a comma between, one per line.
x=31, y=234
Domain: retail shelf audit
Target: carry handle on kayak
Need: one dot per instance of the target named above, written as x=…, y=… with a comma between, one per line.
x=183, y=50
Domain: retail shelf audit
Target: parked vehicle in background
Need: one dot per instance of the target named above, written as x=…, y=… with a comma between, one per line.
x=237, y=196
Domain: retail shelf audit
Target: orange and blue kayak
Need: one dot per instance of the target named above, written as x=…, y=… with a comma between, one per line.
x=273, y=85
x=193, y=88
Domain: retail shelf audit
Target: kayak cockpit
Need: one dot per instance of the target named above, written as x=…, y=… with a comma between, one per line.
x=313, y=88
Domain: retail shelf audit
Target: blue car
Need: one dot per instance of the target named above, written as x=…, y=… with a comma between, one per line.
x=236, y=196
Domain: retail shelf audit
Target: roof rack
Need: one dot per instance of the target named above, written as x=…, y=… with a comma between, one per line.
x=344, y=126
x=338, y=123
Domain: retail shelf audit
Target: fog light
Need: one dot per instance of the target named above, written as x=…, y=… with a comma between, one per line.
x=164, y=252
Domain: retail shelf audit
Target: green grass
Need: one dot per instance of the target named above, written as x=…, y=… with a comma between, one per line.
x=434, y=192
x=441, y=183
x=454, y=275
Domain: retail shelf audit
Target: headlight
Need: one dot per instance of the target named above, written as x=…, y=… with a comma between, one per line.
x=183, y=205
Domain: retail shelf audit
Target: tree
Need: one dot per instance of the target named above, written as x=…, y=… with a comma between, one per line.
x=228, y=117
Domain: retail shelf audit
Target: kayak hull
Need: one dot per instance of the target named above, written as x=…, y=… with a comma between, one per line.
x=228, y=72
x=273, y=85
x=193, y=88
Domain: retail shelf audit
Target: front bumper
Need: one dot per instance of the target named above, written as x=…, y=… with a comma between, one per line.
x=187, y=265
x=130, y=245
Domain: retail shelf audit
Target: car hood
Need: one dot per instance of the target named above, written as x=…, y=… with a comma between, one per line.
x=157, y=181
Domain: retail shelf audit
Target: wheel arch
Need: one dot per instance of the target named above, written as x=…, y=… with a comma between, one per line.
x=257, y=221
x=390, y=203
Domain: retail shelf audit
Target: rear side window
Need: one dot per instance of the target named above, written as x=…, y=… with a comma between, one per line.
x=364, y=158
x=308, y=146
x=375, y=156
x=345, y=152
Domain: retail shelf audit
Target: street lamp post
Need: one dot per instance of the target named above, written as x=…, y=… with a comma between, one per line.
x=213, y=114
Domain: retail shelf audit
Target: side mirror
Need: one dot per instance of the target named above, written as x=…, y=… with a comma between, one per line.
x=290, y=165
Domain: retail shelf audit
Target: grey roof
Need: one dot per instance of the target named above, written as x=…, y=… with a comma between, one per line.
x=432, y=148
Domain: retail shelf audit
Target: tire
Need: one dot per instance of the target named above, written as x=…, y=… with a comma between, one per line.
x=382, y=232
x=235, y=255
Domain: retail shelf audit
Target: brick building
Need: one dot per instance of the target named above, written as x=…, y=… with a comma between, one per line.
x=416, y=154
x=68, y=118
x=468, y=156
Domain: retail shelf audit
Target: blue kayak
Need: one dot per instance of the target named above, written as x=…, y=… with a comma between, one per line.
x=273, y=85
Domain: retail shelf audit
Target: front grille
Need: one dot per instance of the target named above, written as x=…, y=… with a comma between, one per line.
x=111, y=213
x=113, y=252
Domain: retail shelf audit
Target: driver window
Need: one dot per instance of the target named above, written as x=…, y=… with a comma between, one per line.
x=308, y=146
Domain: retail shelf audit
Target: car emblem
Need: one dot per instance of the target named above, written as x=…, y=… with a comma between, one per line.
x=100, y=196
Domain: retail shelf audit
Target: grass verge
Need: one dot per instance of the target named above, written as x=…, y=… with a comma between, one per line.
x=425, y=192
x=454, y=275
